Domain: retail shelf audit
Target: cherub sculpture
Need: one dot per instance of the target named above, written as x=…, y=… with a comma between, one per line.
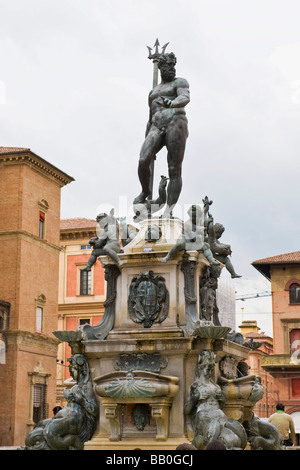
x=220, y=251
x=107, y=242
x=193, y=237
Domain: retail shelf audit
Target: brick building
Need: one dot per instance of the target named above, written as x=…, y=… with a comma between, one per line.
x=81, y=294
x=29, y=262
x=251, y=332
x=283, y=271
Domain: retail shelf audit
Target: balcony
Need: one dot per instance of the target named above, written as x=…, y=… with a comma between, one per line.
x=280, y=362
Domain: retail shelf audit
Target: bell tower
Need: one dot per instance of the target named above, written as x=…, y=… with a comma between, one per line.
x=29, y=256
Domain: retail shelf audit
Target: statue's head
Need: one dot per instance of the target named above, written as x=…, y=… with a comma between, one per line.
x=219, y=229
x=104, y=220
x=206, y=361
x=79, y=368
x=166, y=65
x=101, y=218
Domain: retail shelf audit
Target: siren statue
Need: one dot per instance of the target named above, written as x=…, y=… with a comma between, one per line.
x=204, y=406
x=73, y=425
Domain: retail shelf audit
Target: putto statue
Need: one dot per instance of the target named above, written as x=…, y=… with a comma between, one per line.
x=167, y=126
x=209, y=310
x=221, y=251
x=107, y=243
x=193, y=237
x=73, y=425
x=204, y=406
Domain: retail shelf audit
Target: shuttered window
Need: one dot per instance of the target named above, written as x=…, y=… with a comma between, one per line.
x=295, y=294
x=40, y=407
x=296, y=387
x=85, y=282
x=42, y=225
x=39, y=320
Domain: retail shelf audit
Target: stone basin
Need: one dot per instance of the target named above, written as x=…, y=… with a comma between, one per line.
x=136, y=384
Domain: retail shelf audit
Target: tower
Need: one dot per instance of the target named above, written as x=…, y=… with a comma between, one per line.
x=29, y=256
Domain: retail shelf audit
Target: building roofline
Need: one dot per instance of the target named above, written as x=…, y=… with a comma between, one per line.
x=264, y=265
x=18, y=155
x=77, y=228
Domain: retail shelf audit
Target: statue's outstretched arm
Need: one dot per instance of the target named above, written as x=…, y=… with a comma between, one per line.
x=183, y=95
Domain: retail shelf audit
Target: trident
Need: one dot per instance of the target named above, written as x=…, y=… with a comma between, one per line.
x=154, y=57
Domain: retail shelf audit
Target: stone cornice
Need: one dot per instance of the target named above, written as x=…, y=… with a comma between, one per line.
x=279, y=362
x=85, y=306
x=23, y=337
x=26, y=157
x=23, y=234
x=75, y=234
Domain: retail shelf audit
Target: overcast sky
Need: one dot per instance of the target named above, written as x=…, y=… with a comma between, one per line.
x=74, y=83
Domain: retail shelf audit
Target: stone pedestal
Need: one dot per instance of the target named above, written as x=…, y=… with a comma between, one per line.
x=142, y=369
x=170, y=358
x=142, y=256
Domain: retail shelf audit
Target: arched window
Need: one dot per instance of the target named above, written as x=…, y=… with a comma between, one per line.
x=294, y=293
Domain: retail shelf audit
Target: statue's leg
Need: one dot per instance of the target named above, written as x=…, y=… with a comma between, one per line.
x=175, y=140
x=179, y=246
x=92, y=260
x=152, y=144
x=208, y=254
x=112, y=253
x=230, y=268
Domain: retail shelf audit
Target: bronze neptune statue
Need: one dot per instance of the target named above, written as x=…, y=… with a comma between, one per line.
x=167, y=126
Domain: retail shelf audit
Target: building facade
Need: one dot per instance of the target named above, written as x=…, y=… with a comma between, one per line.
x=81, y=293
x=283, y=271
x=260, y=345
x=29, y=261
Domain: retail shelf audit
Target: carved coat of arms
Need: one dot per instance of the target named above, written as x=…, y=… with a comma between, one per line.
x=148, y=299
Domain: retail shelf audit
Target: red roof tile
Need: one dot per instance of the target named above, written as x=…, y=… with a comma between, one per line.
x=264, y=265
x=4, y=150
x=77, y=223
x=293, y=257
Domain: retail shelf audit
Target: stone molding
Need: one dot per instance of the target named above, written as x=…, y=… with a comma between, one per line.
x=37, y=163
x=27, y=236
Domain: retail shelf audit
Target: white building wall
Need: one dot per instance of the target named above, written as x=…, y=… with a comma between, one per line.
x=226, y=303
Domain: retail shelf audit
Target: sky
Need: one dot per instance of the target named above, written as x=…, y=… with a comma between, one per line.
x=74, y=84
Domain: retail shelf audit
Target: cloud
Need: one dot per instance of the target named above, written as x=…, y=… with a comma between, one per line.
x=76, y=78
